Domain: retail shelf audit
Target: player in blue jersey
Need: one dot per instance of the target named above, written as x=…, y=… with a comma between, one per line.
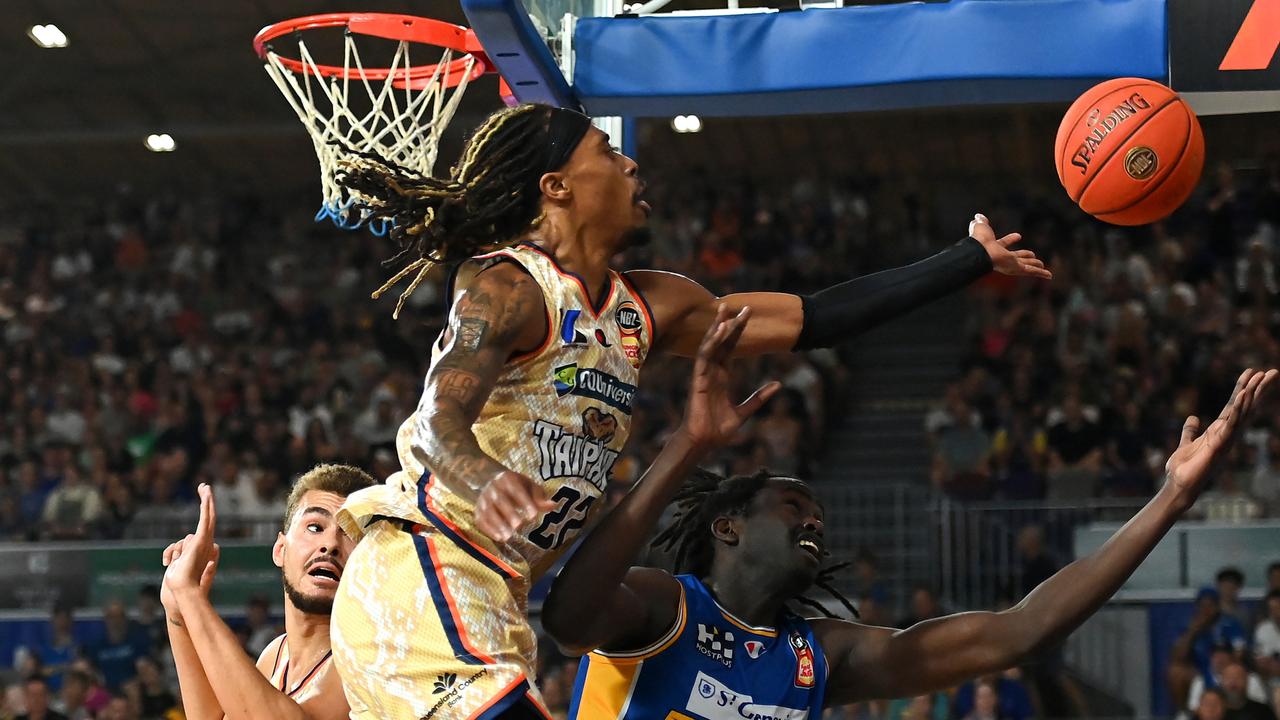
x=719, y=641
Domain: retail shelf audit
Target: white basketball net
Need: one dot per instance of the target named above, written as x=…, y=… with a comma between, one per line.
x=351, y=112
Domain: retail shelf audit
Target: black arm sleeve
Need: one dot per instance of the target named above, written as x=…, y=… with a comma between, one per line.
x=850, y=308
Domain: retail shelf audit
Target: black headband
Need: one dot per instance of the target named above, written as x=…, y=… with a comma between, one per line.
x=565, y=130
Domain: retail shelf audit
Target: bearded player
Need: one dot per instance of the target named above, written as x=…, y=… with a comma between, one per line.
x=294, y=676
x=528, y=400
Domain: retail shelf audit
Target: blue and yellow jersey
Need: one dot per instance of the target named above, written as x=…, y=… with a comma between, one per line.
x=559, y=414
x=709, y=666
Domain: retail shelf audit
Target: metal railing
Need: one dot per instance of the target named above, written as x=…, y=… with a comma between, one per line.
x=976, y=561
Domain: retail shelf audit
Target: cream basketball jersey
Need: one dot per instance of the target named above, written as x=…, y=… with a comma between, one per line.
x=559, y=415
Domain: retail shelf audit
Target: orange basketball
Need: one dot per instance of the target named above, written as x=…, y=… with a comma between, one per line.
x=1129, y=151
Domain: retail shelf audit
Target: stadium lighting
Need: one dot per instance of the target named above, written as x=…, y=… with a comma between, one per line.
x=47, y=36
x=160, y=143
x=686, y=124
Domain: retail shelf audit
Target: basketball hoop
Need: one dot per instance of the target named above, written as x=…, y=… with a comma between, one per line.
x=398, y=112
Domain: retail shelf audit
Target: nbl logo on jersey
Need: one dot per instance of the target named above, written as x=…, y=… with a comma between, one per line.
x=716, y=644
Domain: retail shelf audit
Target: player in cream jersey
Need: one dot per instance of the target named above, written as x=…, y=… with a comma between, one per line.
x=529, y=396
x=558, y=414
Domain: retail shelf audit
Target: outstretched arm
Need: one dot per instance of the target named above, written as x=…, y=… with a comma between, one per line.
x=499, y=315
x=870, y=662
x=596, y=601
x=240, y=690
x=683, y=309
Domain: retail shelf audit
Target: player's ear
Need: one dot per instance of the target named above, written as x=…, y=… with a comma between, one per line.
x=725, y=530
x=555, y=187
x=277, y=551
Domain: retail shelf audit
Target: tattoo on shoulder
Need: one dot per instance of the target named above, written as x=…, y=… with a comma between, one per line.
x=471, y=332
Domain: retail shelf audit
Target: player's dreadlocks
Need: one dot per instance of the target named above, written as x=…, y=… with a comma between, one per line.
x=706, y=496
x=490, y=198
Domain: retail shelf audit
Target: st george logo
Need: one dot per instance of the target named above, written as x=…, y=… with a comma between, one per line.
x=1255, y=43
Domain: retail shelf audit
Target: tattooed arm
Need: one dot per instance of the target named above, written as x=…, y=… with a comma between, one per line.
x=501, y=314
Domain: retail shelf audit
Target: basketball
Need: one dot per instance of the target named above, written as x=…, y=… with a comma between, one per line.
x=1129, y=151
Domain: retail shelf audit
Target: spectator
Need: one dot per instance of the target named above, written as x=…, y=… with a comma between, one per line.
x=1266, y=642
x=781, y=433
x=59, y=648
x=924, y=606
x=961, y=461
x=74, y=694
x=921, y=707
x=150, y=618
x=986, y=703
x=116, y=654
x=1075, y=453
x=261, y=630
x=1193, y=651
x=1013, y=702
x=72, y=508
x=867, y=580
x=1213, y=705
x=1220, y=660
x=148, y=690
x=1273, y=577
x=36, y=701
x=1229, y=582
x=1240, y=704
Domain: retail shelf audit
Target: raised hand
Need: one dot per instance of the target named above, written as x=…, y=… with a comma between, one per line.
x=1199, y=453
x=509, y=502
x=193, y=561
x=1018, y=263
x=711, y=417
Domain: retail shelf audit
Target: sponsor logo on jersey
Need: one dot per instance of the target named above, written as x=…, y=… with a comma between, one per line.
x=805, y=675
x=594, y=384
x=568, y=333
x=628, y=318
x=448, y=686
x=716, y=644
x=632, y=349
x=712, y=699
x=602, y=338
x=629, y=325
x=563, y=453
x=754, y=648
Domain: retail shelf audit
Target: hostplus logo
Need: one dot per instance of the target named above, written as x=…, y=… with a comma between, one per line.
x=716, y=644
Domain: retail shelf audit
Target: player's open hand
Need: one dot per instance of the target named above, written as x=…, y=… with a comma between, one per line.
x=1018, y=263
x=1199, y=453
x=711, y=417
x=509, y=502
x=193, y=561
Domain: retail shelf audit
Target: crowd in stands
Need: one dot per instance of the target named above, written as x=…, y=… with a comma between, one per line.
x=153, y=343
x=1077, y=388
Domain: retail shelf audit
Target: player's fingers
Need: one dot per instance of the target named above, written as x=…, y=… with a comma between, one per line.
x=202, y=525
x=1190, y=429
x=516, y=501
x=734, y=329
x=493, y=520
x=1040, y=272
x=1010, y=239
x=758, y=398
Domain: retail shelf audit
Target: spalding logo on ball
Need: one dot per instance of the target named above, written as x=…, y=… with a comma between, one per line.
x=1129, y=151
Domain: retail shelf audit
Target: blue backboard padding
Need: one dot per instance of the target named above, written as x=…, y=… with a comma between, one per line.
x=863, y=58
x=514, y=45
